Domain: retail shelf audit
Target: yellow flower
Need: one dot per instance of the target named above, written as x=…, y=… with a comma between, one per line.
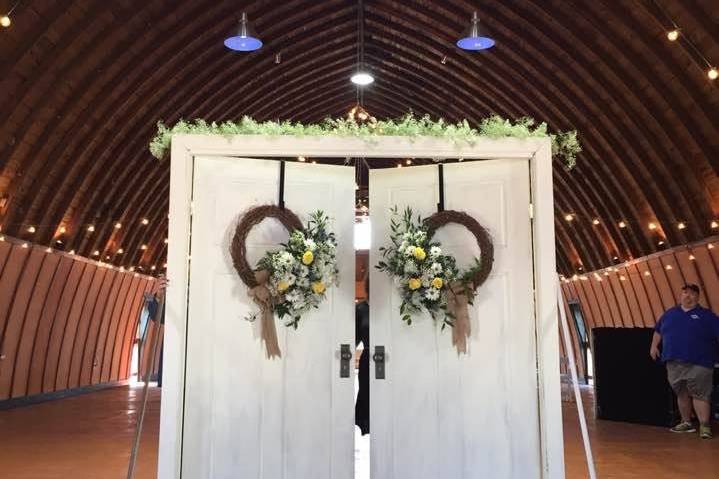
x=414, y=283
x=282, y=286
x=308, y=257
x=318, y=287
x=419, y=253
x=437, y=283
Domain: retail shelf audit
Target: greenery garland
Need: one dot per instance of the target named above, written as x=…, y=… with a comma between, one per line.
x=565, y=145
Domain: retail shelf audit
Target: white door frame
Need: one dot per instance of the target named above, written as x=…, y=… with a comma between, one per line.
x=536, y=150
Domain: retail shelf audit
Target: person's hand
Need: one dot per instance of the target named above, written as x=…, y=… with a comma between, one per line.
x=161, y=285
x=654, y=352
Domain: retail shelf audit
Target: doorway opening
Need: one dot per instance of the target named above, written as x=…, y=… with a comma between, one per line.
x=585, y=351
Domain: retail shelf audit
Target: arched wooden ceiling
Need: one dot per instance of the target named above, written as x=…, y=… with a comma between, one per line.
x=83, y=82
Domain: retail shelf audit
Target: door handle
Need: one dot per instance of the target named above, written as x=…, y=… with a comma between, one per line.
x=345, y=357
x=379, y=357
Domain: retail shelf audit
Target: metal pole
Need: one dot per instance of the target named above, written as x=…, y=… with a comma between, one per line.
x=151, y=366
x=575, y=382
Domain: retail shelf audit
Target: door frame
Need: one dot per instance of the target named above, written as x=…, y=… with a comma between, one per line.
x=184, y=150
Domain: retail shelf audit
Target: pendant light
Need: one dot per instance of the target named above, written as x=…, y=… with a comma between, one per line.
x=473, y=39
x=245, y=40
x=361, y=77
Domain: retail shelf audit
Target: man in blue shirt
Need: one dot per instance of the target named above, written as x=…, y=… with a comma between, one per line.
x=688, y=334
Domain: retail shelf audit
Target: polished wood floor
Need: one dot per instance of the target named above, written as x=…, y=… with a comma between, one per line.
x=89, y=437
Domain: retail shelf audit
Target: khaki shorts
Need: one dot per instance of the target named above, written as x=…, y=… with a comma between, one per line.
x=690, y=377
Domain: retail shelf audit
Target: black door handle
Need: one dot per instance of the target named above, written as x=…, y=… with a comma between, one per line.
x=379, y=357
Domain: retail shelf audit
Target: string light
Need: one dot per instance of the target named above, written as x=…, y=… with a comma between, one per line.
x=120, y=251
x=62, y=230
x=24, y=245
x=145, y=221
x=622, y=224
x=569, y=217
x=48, y=250
x=595, y=221
x=143, y=247
x=713, y=74
x=710, y=246
x=661, y=243
x=153, y=268
x=668, y=267
x=692, y=257
x=91, y=228
x=673, y=35
x=72, y=252
x=647, y=273
x=606, y=273
x=408, y=161
x=5, y=21
x=31, y=229
x=681, y=225
x=622, y=278
x=714, y=225
x=118, y=225
x=96, y=253
x=399, y=165
x=301, y=159
x=652, y=226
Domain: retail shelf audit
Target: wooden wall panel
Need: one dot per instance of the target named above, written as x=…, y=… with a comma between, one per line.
x=59, y=314
x=104, y=302
x=112, y=301
x=31, y=327
x=68, y=333
x=651, y=285
x=16, y=317
x=83, y=327
x=44, y=328
x=113, y=328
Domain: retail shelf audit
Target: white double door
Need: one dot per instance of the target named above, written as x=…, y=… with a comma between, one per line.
x=435, y=414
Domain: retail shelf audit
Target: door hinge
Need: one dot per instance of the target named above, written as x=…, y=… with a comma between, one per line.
x=531, y=211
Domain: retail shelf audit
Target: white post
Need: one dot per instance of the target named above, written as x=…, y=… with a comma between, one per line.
x=575, y=382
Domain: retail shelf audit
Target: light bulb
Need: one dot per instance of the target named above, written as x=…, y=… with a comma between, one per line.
x=96, y=253
x=668, y=266
x=622, y=224
x=692, y=257
x=713, y=73
x=62, y=230
x=681, y=225
x=714, y=225
x=72, y=251
x=5, y=21
x=31, y=229
x=145, y=221
x=673, y=35
x=91, y=228
x=301, y=158
x=120, y=251
x=595, y=221
x=143, y=247
x=652, y=226
x=24, y=245
x=362, y=78
x=647, y=273
x=569, y=217
x=408, y=161
x=166, y=240
x=118, y=225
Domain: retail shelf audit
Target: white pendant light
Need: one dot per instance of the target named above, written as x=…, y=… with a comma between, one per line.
x=361, y=77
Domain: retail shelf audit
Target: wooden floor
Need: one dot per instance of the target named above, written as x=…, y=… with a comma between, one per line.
x=89, y=437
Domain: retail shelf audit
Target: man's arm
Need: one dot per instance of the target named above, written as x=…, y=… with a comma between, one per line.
x=654, y=350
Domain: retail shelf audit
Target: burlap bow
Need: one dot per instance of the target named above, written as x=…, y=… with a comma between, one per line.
x=458, y=307
x=260, y=294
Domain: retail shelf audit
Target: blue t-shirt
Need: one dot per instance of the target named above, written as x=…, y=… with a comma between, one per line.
x=689, y=336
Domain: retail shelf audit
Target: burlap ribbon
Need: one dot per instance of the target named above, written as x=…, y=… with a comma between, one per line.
x=458, y=307
x=260, y=294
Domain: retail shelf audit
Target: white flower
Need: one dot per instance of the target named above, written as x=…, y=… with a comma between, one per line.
x=290, y=278
x=310, y=244
x=436, y=268
x=303, y=271
x=303, y=282
x=435, y=251
x=432, y=294
x=409, y=267
x=407, y=236
x=409, y=251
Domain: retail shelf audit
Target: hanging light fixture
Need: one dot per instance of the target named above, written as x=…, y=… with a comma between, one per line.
x=473, y=39
x=245, y=40
x=361, y=77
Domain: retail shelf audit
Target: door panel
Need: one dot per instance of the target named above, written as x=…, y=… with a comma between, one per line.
x=247, y=416
x=439, y=414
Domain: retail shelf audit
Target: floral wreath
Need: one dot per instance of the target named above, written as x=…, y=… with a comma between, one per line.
x=292, y=280
x=429, y=280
